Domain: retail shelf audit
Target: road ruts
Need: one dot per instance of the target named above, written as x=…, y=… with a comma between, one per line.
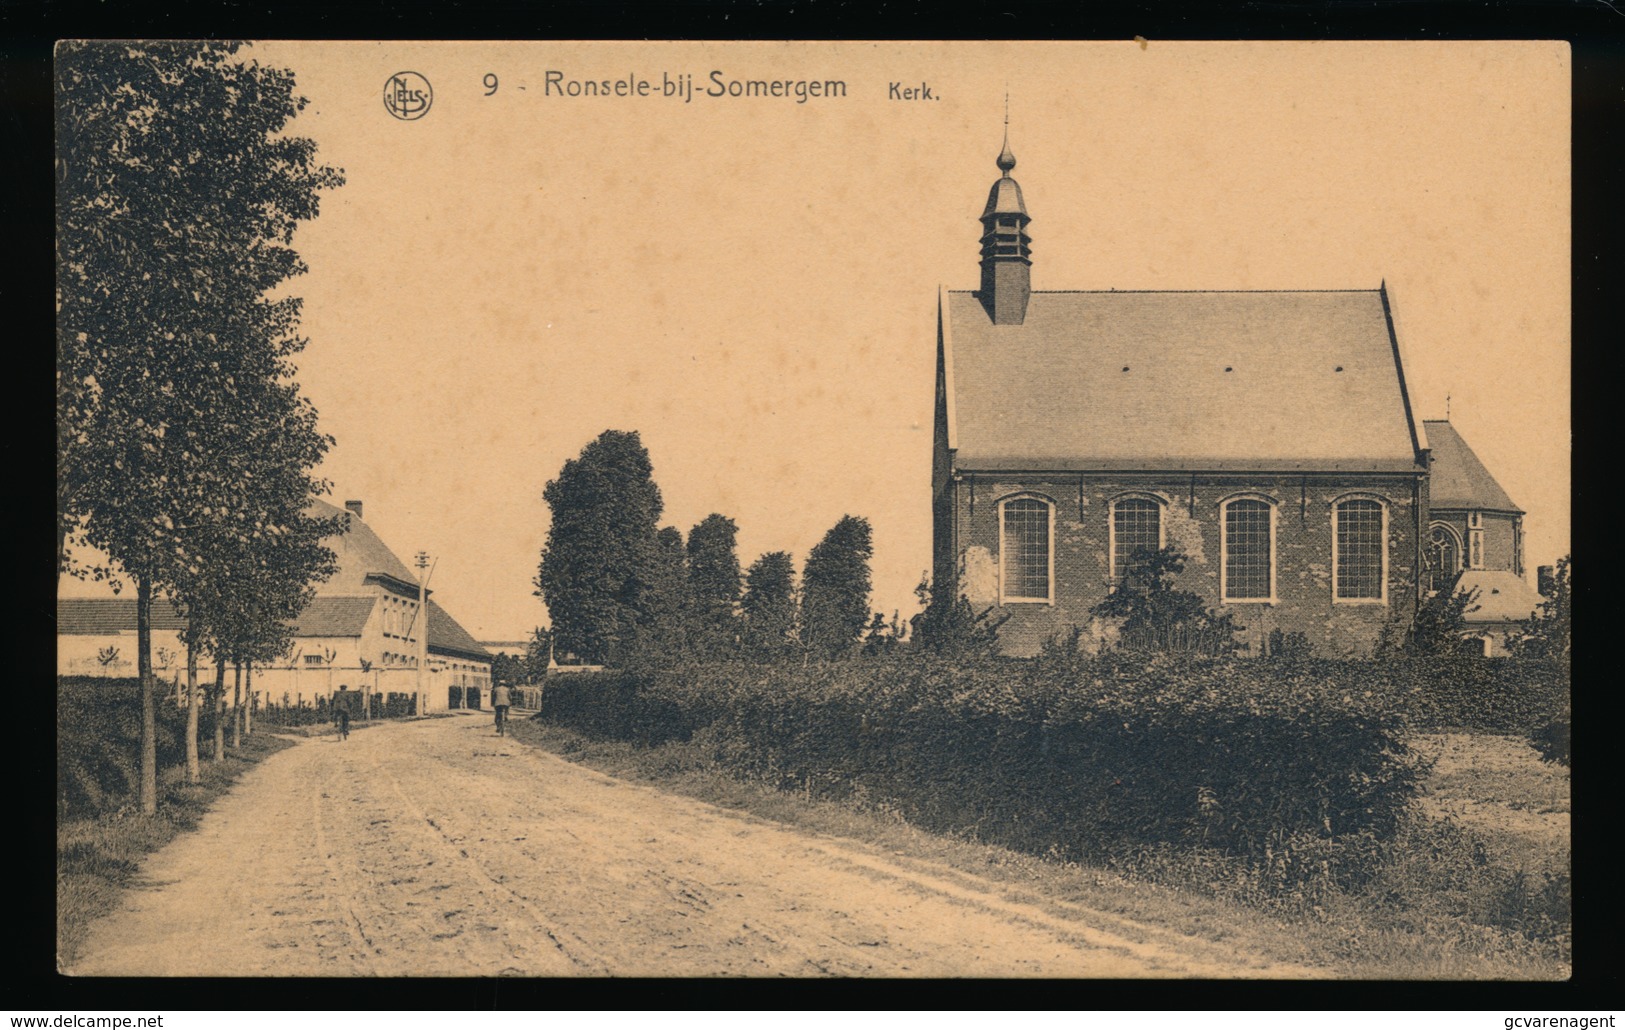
x=435, y=848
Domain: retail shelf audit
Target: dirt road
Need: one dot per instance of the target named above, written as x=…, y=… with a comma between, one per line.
x=434, y=848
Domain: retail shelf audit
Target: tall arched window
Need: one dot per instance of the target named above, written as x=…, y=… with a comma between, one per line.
x=1359, y=550
x=1136, y=528
x=1026, y=549
x=1443, y=556
x=1248, y=566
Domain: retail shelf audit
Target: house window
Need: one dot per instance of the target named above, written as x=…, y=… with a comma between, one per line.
x=1025, y=549
x=1359, y=554
x=1248, y=568
x=313, y=659
x=1136, y=530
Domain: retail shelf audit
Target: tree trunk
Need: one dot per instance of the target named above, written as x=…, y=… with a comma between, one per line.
x=192, y=771
x=148, y=791
x=248, y=703
x=219, y=708
x=237, y=707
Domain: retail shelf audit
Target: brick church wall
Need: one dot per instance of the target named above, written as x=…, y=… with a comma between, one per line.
x=1191, y=520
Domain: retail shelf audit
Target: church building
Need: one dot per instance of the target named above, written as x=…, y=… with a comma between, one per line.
x=1475, y=541
x=1267, y=435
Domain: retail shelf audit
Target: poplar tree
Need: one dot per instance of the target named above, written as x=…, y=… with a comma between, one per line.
x=178, y=192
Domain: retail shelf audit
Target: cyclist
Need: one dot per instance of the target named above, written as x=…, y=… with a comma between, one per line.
x=499, y=701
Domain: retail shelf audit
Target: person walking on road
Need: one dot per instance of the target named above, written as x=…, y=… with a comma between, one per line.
x=499, y=701
x=341, y=711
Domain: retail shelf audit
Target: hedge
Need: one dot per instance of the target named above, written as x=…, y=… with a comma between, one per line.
x=98, y=740
x=1095, y=757
x=1487, y=695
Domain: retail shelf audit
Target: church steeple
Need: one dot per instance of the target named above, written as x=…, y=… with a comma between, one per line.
x=1006, y=247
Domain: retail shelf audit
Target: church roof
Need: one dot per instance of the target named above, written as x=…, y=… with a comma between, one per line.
x=1502, y=596
x=360, y=554
x=1458, y=479
x=1178, y=380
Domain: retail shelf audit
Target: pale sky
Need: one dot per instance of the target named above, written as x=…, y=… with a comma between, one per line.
x=751, y=282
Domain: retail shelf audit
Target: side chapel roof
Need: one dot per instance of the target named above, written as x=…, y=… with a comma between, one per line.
x=1458, y=479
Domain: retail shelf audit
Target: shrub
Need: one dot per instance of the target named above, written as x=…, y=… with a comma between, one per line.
x=1442, y=871
x=948, y=626
x=1156, y=617
x=1546, y=633
x=1292, y=647
x=1551, y=738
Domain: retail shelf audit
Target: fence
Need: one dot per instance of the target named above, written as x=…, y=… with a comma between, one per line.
x=302, y=685
x=320, y=710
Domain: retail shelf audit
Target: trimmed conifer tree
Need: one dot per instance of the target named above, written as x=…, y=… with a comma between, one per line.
x=601, y=570
x=713, y=586
x=768, y=608
x=835, y=589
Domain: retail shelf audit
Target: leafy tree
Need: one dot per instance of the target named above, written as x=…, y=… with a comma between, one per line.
x=601, y=573
x=507, y=670
x=538, y=654
x=1546, y=633
x=948, y=625
x=1158, y=617
x=835, y=588
x=178, y=191
x=713, y=585
x=769, y=606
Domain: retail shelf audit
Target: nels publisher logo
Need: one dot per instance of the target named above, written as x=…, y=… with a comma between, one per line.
x=407, y=96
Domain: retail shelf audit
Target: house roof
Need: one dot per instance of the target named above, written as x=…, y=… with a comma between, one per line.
x=360, y=554
x=1502, y=596
x=98, y=616
x=334, y=617
x=1178, y=380
x=1458, y=479
x=103, y=616
x=448, y=637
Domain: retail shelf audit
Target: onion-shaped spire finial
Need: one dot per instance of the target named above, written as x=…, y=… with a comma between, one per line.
x=1006, y=159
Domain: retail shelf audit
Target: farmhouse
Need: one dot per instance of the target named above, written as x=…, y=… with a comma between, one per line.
x=361, y=629
x=1266, y=434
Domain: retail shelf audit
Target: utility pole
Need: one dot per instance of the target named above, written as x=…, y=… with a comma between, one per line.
x=423, y=631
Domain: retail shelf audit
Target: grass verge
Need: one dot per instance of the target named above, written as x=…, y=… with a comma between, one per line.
x=1370, y=936
x=97, y=858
